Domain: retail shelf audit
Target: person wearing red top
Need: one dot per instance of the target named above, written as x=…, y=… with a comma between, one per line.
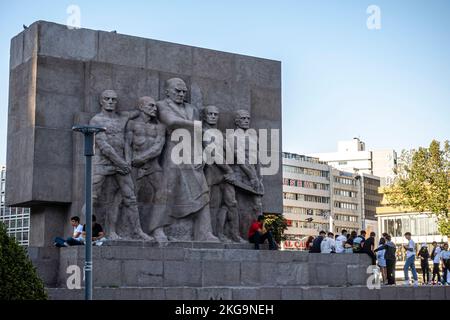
x=258, y=235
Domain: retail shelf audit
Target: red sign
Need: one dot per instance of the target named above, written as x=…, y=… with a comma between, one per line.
x=298, y=245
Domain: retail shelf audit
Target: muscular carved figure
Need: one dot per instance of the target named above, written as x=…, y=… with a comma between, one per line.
x=223, y=204
x=109, y=161
x=248, y=174
x=187, y=189
x=145, y=138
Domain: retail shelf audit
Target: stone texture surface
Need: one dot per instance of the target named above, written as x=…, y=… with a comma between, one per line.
x=56, y=75
x=128, y=264
x=250, y=293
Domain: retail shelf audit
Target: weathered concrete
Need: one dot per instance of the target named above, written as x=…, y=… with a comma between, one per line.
x=56, y=75
x=256, y=293
x=142, y=270
x=127, y=265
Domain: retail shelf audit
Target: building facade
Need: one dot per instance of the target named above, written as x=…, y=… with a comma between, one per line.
x=318, y=197
x=16, y=220
x=352, y=156
x=346, y=208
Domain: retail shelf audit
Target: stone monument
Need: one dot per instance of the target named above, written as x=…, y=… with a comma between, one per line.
x=178, y=226
x=144, y=92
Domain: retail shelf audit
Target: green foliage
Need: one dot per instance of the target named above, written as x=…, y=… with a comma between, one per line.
x=423, y=183
x=278, y=224
x=18, y=277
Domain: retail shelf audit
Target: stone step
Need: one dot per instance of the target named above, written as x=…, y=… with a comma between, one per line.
x=258, y=293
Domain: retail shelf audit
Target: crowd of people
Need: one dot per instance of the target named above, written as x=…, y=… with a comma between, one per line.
x=384, y=255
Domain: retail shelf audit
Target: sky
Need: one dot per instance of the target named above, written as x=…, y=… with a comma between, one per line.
x=390, y=87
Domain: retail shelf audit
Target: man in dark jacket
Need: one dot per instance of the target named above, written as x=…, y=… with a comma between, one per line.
x=369, y=246
x=317, y=242
x=389, y=255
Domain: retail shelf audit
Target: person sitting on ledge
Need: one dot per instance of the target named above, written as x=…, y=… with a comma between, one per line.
x=98, y=235
x=76, y=238
x=258, y=234
x=328, y=244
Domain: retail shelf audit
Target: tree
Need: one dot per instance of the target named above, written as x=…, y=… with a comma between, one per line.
x=18, y=277
x=277, y=223
x=422, y=183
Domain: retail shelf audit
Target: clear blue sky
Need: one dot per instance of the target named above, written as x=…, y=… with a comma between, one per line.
x=390, y=87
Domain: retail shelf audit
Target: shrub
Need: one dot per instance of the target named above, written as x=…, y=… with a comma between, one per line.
x=278, y=224
x=18, y=276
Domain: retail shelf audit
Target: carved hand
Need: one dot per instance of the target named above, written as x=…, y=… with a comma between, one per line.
x=124, y=168
x=138, y=162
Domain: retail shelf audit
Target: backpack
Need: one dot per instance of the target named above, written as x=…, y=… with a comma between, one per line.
x=357, y=244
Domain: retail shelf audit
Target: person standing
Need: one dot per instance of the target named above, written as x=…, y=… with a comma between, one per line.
x=390, y=258
x=410, y=248
x=424, y=255
x=436, y=257
x=445, y=256
x=382, y=260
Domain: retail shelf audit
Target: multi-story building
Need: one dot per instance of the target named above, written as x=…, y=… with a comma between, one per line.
x=346, y=209
x=352, y=156
x=318, y=197
x=306, y=195
x=17, y=220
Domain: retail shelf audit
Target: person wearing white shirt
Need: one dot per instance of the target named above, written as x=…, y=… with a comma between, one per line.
x=445, y=256
x=436, y=257
x=340, y=242
x=77, y=235
x=328, y=244
x=410, y=248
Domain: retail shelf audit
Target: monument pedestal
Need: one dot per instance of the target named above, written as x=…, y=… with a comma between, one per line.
x=140, y=270
x=191, y=270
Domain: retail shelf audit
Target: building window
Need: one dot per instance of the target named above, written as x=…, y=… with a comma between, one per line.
x=304, y=211
x=305, y=184
x=345, y=193
x=345, y=205
x=306, y=171
x=347, y=181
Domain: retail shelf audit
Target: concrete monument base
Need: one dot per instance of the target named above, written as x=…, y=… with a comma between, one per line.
x=258, y=293
x=203, y=271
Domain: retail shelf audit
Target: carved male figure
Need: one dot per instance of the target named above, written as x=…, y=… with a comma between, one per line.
x=223, y=204
x=187, y=189
x=109, y=161
x=248, y=173
x=145, y=138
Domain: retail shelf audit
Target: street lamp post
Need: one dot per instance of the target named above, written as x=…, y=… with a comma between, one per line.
x=361, y=191
x=89, y=150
